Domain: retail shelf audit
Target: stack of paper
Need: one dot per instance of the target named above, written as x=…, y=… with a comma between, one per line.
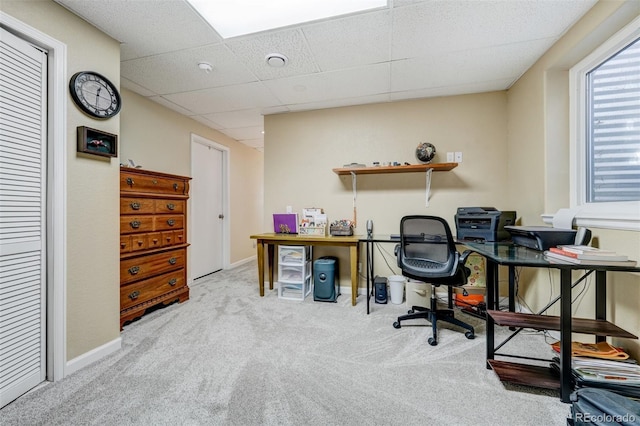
x=587, y=255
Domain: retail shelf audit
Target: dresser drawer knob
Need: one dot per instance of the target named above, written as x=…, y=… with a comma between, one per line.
x=130, y=181
x=155, y=182
x=134, y=270
x=173, y=260
x=171, y=206
x=171, y=222
x=175, y=186
x=135, y=224
x=135, y=206
x=134, y=295
x=172, y=282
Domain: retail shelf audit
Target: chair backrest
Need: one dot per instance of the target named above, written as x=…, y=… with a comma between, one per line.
x=427, y=251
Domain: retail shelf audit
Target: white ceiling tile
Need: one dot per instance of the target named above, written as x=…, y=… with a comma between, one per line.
x=433, y=27
x=228, y=98
x=335, y=85
x=128, y=84
x=245, y=132
x=362, y=100
x=204, y=120
x=507, y=62
x=177, y=108
x=178, y=71
x=252, y=50
x=235, y=119
x=146, y=27
x=353, y=41
x=411, y=49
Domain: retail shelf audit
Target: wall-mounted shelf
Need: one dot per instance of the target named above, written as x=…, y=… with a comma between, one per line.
x=411, y=168
x=436, y=167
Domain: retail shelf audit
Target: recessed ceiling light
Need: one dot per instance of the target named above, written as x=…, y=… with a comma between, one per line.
x=276, y=60
x=239, y=17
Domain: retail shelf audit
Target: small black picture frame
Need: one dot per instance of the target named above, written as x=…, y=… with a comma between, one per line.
x=97, y=142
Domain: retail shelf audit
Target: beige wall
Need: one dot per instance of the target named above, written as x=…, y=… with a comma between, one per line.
x=301, y=149
x=92, y=303
x=539, y=143
x=160, y=139
x=153, y=136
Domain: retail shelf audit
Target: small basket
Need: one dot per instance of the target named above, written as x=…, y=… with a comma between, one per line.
x=341, y=231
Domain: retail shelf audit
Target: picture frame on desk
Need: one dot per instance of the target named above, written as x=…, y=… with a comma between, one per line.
x=97, y=142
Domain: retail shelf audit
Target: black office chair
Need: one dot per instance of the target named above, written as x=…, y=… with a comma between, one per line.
x=427, y=253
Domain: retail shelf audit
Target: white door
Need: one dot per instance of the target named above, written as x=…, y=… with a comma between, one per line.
x=22, y=217
x=207, y=197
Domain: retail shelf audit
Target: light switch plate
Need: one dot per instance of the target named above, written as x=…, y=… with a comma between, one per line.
x=450, y=157
x=458, y=157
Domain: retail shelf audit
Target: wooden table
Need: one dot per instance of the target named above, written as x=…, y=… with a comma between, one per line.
x=272, y=239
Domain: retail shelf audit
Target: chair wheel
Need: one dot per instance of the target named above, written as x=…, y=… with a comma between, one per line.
x=432, y=341
x=396, y=324
x=410, y=311
x=469, y=335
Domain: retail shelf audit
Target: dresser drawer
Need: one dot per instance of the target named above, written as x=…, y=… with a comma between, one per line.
x=132, y=224
x=139, y=242
x=166, y=222
x=154, y=240
x=132, y=182
x=136, y=206
x=125, y=244
x=143, y=267
x=169, y=206
x=142, y=291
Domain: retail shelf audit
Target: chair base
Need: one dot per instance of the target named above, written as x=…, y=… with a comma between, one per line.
x=434, y=315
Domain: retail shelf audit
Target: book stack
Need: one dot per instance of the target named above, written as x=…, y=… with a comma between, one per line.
x=587, y=255
x=601, y=365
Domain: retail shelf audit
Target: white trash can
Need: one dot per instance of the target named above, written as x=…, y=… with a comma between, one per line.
x=396, y=288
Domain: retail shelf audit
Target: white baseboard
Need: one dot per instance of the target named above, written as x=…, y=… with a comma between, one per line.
x=243, y=261
x=92, y=356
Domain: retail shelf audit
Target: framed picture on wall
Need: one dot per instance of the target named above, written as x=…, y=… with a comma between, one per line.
x=97, y=142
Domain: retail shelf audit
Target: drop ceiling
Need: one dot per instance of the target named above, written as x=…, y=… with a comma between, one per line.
x=409, y=49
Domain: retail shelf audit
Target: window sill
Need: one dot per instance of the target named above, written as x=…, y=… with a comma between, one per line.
x=625, y=223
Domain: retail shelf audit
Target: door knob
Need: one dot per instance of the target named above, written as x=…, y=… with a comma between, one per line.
x=220, y=216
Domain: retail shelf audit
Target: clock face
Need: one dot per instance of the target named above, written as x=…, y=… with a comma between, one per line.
x=94, y=94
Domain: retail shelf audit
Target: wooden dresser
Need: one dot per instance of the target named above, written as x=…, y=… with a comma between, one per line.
x=153, y=241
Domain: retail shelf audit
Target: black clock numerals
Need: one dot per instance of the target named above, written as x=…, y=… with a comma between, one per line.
x=95, y=95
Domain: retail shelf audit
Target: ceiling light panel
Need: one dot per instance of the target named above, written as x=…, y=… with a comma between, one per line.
x=231, y=18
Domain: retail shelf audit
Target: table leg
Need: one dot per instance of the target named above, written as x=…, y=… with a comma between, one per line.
x=368, y=273
x=270, y=249
x=353, y=256
x=492, y=289
x=260, y=247
x=601, y=300
x=565, y=335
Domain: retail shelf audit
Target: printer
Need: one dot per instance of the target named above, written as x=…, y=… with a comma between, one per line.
x=483, y=223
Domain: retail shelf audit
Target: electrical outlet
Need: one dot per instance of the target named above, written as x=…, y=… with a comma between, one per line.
x=450, y=157
x=458, y=157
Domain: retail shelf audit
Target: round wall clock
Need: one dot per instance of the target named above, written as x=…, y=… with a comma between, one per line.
x=95, y=94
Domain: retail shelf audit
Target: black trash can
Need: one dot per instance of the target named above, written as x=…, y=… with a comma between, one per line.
x=326, y=275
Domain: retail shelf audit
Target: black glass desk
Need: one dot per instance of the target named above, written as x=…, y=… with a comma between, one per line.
x=512, y=256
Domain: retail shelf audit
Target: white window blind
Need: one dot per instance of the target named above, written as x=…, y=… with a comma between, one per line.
x=613, y=128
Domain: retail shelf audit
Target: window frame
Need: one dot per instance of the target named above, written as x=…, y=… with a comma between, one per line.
x=614, y=215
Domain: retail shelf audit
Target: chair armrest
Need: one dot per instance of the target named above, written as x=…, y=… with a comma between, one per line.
x=463, y=256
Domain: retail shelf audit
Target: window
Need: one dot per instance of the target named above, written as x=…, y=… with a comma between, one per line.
x=605, y=133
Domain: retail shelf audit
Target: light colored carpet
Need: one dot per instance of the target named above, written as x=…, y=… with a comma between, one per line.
x=230, y=357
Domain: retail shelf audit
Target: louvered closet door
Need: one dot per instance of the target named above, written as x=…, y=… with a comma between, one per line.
x=22, y=217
